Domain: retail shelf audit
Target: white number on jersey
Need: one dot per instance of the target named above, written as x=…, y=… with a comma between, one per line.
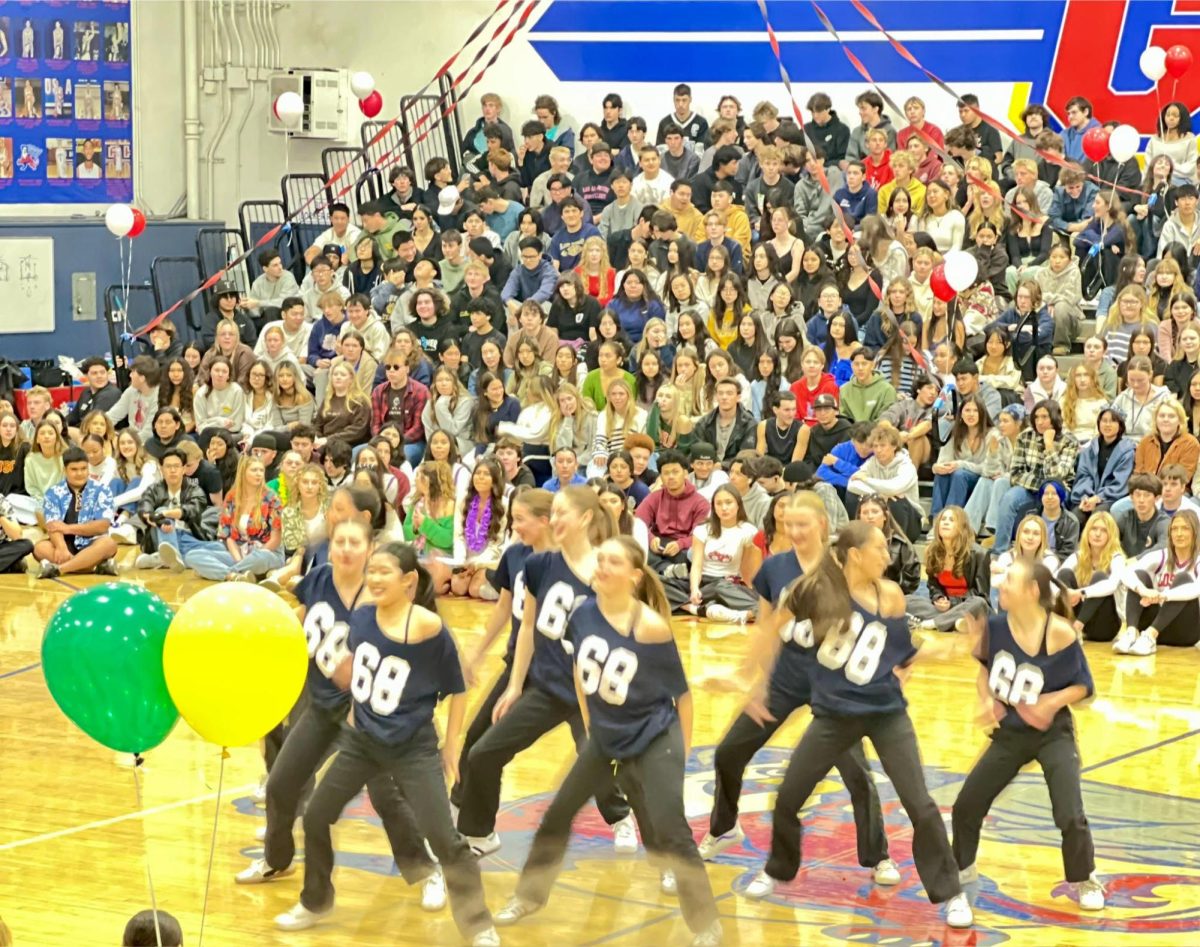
x=326, y=638
x=605, y=673
x=1012, y=683
x=800, y=632
x=378, y=683
x=518, y=595
x=553, y=610
x=858, y=650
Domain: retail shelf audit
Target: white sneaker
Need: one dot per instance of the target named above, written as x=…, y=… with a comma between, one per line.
x=760, y=887
x=300, y=918
x=712, y=846
x=666, y=883
x=625, y=838
x=711, y=936
x=514, y=911
x=433, y=892
x=483, y=845
x=1124, y=641
x=488, y=938
x=260, y=872
x=170, y=557
x=732, y=616
x=1091, y=895
x=887, y=873
x=1145, y=644
x=260, y=834
x=270, y=583
x=260, y=794
x=125, y=534
x=148, y=560
x=958, y=912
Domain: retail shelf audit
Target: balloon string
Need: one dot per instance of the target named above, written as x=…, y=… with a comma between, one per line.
x=137, y=787
x=212, y=849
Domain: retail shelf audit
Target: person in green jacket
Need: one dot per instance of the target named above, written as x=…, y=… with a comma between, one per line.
x=867, y=394
x=429, y=524
x=382, y=224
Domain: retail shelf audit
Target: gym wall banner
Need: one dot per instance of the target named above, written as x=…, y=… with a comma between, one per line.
x=66, y=118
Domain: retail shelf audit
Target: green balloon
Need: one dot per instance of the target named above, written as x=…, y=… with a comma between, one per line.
x=102, y=656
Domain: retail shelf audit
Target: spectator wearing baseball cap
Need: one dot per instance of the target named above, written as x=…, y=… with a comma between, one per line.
x=706, y=473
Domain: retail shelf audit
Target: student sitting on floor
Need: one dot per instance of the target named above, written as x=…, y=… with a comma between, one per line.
x=78, y=514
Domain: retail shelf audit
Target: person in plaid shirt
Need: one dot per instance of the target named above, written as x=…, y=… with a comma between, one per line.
x=1044, y=451
x=78, y=514
x=250, y=537
x=400, y=401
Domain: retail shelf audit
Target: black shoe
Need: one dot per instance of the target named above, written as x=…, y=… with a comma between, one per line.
x=49, y=570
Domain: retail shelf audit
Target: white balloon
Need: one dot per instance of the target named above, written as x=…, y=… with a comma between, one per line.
x=961, y=269
x=289, y=109
x=1123, y=143
x=119, y=219
x=362, y=84
x=1153, y=63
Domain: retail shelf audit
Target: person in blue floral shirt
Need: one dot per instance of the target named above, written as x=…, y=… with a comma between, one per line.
x=78, y=514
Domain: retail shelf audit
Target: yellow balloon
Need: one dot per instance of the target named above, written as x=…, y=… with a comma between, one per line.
x=235, y=659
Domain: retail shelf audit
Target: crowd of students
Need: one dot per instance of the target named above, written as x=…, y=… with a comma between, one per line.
x=660, y=319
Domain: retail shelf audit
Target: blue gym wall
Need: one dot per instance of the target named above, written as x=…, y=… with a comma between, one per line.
x=84, y=246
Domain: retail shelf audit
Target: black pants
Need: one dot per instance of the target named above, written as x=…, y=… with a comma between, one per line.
x=12, y=551
x=653, y=783
x=1178, y=623
x=416, y=766
x=309, y=744
x=713, y=591
x=1099, y=616
x=480, y=724
x=892, y=735
x=534, y=714
x=657, y=561
x=746, y=737
x=1010, y=749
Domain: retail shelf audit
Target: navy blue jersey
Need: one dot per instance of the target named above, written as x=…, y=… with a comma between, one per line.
x=510, y=574
x=794, y=664
x=327, y=626
x=556, y=588
x=396, y=685
x=1015, y=677
x=854, y=672
x=630, y=686
x=315, y=554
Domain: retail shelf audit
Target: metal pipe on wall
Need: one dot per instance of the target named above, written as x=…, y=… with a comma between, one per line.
x=191, y=109
x=226, y=113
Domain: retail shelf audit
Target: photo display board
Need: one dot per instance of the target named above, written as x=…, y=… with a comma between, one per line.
x=66, y=116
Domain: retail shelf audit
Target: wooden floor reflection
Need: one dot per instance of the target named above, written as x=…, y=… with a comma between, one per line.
x=74, y=848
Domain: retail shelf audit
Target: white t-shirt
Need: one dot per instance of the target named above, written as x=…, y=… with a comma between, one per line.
x=723, y=554
x=327, y=237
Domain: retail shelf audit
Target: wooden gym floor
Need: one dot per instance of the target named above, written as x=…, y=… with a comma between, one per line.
x=74, y=847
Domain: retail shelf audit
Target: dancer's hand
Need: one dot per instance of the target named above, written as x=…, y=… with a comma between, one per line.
x=756, y=710
x=1039, y=715
x=504, y=704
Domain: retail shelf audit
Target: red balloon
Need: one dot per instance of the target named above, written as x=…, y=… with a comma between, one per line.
x=139, y=223
x=1095, y=143
x=372, y=105
x=1179, y=61
x=937, y=282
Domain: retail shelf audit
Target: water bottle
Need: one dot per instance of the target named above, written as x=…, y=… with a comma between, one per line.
x=949, y=389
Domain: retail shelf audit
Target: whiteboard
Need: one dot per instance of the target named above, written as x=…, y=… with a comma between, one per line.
x=26, y=285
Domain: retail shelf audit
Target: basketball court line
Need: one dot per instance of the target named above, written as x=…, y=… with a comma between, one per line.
x=140, y=814
x=1145, y=749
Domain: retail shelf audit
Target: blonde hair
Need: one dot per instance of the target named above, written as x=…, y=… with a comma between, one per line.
x=354, y=394
x=690, y=394
x=1070, y=400
x=245, y=502
x=583, y=407
x=1036, y=519
x=605, y=263
x=631, y=406
x=290, y=493
x=1114, y=311
x=299, y=393
x=1157, y=292
x=1086, y=567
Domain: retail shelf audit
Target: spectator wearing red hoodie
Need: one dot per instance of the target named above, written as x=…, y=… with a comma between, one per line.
x=813, y=382
x=671, y=514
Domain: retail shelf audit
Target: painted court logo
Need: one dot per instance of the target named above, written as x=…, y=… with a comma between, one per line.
x=1148, y=845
